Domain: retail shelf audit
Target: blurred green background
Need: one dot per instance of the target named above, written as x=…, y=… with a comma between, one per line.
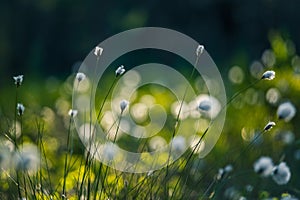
x=42, y=38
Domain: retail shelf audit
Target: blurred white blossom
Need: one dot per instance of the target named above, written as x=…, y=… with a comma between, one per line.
x=286, y=111
x=281, y=174
x=27, y=159
x=178, y=144
x=264, y=166
x=208, y=106
x=268, y=75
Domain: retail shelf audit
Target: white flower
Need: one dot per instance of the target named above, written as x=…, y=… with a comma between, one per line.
x=20, y=109
x=264, y=166
x=72, y=113
x=18, y=80
x=268, y=75
x=80, y=76
x=281, y=174
x=269, y=126
x=199, y=50
x=123, y=105
x=286, y=111
x=120, y=71
x=98, y=51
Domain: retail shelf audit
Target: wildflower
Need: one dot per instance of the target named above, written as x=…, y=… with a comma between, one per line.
x=268, y=75
x=98, y=51
x=199, y=50
x=281, y=174
x=286, y=111
x=120, y=71
x=18, y=80
x=72, y=113
x=80, y=76
x=264, y=166
x=269, y=126
x=20, y=109
x=123, y=105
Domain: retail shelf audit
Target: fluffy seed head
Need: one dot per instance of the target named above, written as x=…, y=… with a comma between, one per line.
x=20, y=109
x=98, y=51
x=72, y=113
x=27, y=159
x=264, y=166
x=123, y=105
x=269, y=126
x=80, y=76
x=281, y=174
x=286, y=111
x=18, y=80
x=120, y=71
x=268, y=75
x=199, y=50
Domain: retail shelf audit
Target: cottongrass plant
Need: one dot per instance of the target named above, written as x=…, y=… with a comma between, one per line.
x=85, y=178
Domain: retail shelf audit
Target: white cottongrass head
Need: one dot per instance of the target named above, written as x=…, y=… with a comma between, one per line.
x=199, y=50
x=268, y=75
x=286, y=111
x=72, y=113
x=269, y=126
x=208, y=106
x=27, y=159
x=98, y=51
x=264, y=166
x=178, y=144
x=18, y=80
x=281, y=174
x=120, y=70
x=80, y=76
x=20, y=109
x=123, y=105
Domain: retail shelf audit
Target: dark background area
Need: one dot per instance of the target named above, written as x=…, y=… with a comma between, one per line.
x=41, y=38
